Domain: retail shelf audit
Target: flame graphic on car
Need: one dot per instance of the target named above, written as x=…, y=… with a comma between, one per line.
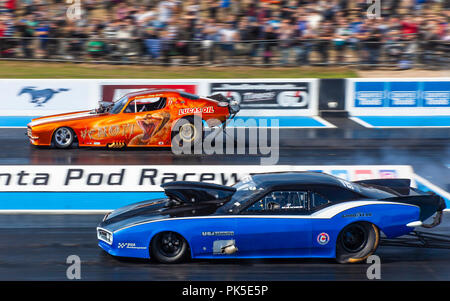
x=150, y=125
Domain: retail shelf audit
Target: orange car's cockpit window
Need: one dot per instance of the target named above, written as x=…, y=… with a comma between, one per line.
x=146, y=104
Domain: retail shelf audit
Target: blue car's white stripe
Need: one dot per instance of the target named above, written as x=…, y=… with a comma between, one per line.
x=326, y=213
x=331, y=211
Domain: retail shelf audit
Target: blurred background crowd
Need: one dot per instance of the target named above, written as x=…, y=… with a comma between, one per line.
x=230, y=32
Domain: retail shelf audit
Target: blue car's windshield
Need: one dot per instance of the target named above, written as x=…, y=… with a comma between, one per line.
x=118, y=105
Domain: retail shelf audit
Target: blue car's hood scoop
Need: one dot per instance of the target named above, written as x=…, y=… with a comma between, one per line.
x=197, y=192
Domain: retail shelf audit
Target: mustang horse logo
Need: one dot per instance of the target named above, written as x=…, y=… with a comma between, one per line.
x=39, y=97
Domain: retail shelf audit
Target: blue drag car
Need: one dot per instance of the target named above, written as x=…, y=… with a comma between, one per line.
x=273, y=215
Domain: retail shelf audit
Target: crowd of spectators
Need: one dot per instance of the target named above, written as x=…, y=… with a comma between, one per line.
x=289, y=32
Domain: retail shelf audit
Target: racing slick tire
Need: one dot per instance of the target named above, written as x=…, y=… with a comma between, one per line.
x=356, y=242
x=63, y=137
x=188, y=130
x=169, y=247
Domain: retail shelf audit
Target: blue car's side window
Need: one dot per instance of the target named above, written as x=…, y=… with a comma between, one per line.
x=318, y=200
x=280, y=202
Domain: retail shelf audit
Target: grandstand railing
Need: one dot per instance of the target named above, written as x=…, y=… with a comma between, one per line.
x=389, y=53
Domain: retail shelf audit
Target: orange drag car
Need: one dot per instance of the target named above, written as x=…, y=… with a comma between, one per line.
x=145, y=118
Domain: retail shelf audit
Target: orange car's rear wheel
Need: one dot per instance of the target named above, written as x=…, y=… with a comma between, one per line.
x=187, y=131
x=63, y=137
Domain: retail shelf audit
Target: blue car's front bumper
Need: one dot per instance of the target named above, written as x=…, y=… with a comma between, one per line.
x=108, y=248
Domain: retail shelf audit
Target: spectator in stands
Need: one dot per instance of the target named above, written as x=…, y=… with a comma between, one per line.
x=431, y=39
x=143, y=15
x=255, y=33
x=184, y=37
x=270, y=42
x=41, y=30
x=341, y=34
x=77, y=37
x=228, y=36
x=213, y=7
x=54, y=35
x=409, y=25
x=166, y=10
x=26, y=27
x=152, y=42
x=96, y=47
x=323, y=43
x=121, y=11
x=286, y=37
x=7, y=31
x=371, y=42
x=127, y=35
x=210, y=36
x=3, y=46
x=7, y=6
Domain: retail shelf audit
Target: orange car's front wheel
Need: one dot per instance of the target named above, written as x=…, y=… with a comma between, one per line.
x=63, y=137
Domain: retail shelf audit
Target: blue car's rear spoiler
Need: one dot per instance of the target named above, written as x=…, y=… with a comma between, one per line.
x=401, y=186
x=429, y=203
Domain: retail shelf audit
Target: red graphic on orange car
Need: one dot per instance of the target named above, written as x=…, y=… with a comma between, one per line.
x=144, y=118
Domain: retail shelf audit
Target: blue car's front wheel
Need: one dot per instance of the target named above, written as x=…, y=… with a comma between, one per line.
x=169, y=247
x=356, y=242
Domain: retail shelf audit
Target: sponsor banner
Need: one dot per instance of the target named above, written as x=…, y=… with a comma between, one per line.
x=39, y=97
x=398, y=97
x=119, y=178
x=107, y=187
x=295, y=97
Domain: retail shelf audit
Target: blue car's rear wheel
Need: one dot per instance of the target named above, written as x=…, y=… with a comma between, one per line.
x=169, y=247
x=356, y=242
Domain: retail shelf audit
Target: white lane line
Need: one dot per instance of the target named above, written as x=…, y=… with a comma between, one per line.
x=323, y=121
x=361, y=122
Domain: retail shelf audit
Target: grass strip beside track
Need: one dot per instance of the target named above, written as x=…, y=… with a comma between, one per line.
x=17, y=69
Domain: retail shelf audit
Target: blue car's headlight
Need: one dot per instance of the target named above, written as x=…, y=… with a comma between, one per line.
x=105, y=235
